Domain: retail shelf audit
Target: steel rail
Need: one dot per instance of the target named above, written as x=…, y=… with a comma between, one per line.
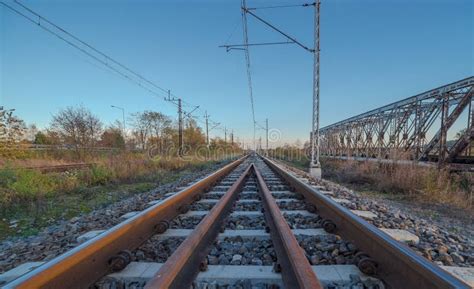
x=184, y=264
x=58, y=168
x=85, y=264
x=295, y=269
x=396, y=264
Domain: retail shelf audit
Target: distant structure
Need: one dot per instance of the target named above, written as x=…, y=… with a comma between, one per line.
x=415, y=128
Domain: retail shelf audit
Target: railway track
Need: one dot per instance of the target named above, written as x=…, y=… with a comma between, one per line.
x=59, y=168
x=251, y=224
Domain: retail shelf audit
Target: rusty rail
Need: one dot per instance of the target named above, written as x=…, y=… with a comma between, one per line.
x=85, y=264
x=184, y=264
x=58, y=168
x=295, y=269
x=395, y=263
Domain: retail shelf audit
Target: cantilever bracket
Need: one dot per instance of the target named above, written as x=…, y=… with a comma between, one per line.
x=292, y=39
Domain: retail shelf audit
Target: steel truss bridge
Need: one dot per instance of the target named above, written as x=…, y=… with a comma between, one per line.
x=416, y=129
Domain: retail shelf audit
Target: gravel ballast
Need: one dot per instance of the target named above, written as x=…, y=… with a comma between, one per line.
x=436, y=244
x=156, y=249
x=242, y=251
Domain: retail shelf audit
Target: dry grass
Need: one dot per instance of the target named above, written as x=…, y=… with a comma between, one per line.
x=21, y=163
x=24, y=185
x=425, y=184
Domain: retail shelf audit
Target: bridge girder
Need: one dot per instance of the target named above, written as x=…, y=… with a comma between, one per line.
x=415, y=128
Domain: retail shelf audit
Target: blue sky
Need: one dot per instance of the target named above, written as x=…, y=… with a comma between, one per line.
x=372, y=53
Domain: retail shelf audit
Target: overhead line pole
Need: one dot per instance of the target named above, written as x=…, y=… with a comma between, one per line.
x=266, y=132
x=206, y=116
x=225, y=135
x=180, y=121
x=247, y=60
x=266, y=122
x=315, y=166
x=123, y=118
x=180, y=128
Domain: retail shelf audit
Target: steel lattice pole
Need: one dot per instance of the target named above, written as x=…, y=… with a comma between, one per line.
x=315, y=128
x=180, y=128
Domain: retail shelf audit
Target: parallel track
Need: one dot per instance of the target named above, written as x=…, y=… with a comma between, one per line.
x=254, y=182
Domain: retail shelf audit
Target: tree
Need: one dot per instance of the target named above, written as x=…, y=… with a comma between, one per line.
x=41, y=139
x=47, y=138
x=112, y=137
x=140, y=130
x=31, y=132
x=12, y=130
x=151, y=128
x=77, y=127
x=158, y=125
x=193, y=135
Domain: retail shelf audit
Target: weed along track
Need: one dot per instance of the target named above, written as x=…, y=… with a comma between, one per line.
x=251, y=224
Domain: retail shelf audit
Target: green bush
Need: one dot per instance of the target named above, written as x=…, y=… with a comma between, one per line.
x=22, y=185
x=7, y=177
x=67, y=181
x=100, y=175
x=30, y=184
x=6, y=196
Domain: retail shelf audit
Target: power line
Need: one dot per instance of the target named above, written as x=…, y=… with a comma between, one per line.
x=41, y=18
x=39, y=23
x=247, y=62
x=315, y=167
x=96, y=54
x=232, y=33
x=245, y=46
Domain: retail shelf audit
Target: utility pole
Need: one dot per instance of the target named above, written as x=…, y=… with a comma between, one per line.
x=123, y=118
x=247, y=61
x=180, y=128
x=266, y=135
x=206, y=116
x=315, y=166
x=180, y=121
x=232, y=138
x=266, y=122
x=225, y=135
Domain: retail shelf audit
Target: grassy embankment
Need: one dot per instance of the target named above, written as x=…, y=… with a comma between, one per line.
x=31, y=200
x=403, y=182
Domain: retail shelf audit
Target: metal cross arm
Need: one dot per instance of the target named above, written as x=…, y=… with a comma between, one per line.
x=282, y=6
x=188, y=114
x=216, y=125
x=246, y=10
x=229, y=47
x=173, y=99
